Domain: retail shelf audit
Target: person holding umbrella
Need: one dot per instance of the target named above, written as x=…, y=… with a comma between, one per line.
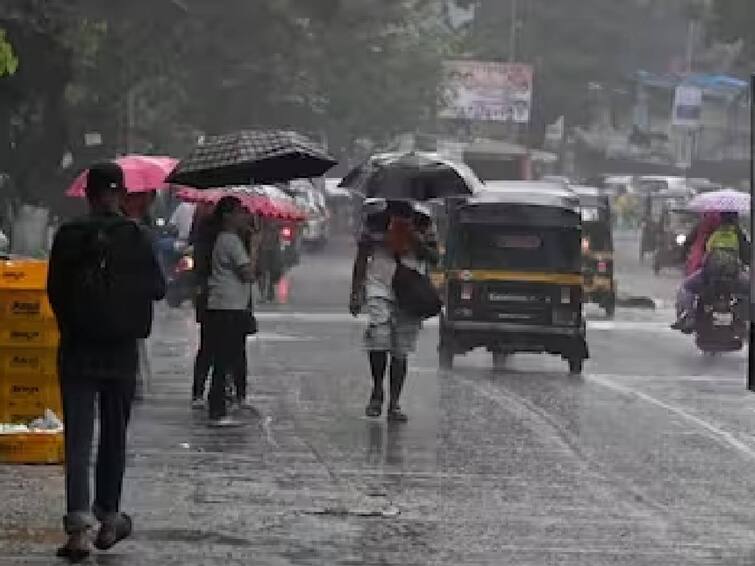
x=394, y=232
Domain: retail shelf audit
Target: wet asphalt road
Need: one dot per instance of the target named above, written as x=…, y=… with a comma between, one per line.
x=645, y=460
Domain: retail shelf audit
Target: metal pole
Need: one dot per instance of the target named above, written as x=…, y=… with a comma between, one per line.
x=514, y=30
x=751, y=357
x=691, y=33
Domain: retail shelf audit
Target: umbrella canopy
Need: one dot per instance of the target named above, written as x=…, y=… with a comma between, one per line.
x=725, y=200
x=254, y=201
x=412, y=176
x=256, y=156
x=142, y=173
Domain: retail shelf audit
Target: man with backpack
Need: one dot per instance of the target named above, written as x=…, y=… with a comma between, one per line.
x=102, y=282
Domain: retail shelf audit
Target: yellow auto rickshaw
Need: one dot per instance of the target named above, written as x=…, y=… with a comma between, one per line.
x=513, y=277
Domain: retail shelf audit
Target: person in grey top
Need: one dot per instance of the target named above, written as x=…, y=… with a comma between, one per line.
x=228, y=301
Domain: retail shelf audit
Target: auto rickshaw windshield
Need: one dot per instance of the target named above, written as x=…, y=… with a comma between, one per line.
x=486, y=246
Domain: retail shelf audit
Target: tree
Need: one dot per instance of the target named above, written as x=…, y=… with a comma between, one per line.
x=733, y=21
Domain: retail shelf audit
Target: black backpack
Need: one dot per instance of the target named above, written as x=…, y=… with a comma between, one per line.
x=110, y=288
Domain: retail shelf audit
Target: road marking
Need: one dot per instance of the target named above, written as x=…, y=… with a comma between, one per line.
x=334, y=317
x=717, y=433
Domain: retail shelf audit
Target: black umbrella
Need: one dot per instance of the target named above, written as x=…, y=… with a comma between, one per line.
x=251, y=157
x=412, y=176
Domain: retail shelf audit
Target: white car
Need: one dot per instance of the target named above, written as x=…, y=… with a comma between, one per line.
x=316, y=229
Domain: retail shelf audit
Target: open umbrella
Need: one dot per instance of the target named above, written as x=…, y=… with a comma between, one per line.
x=725, y=200
x=142, y=173
x=256, y=156
x=253, y=200
x=412, y=176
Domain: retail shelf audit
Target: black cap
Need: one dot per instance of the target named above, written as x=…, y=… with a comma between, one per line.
x=105, y=176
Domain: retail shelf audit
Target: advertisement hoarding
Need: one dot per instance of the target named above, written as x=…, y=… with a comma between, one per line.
x=688, y=106
x=487, y=91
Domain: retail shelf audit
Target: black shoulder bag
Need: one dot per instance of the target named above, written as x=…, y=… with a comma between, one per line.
x=415, y=293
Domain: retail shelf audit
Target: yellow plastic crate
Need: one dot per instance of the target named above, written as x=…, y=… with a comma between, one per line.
x=28, y=274
x=28, y=363
x=32, y=448
x=24, y=334
x=28, y=306
x=24, y=399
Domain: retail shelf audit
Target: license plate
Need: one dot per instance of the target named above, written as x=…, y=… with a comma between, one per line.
x=723, y=319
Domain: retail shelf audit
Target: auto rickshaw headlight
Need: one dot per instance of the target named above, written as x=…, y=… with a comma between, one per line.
x=681, y=239
x=467, y=292
x=565, y=295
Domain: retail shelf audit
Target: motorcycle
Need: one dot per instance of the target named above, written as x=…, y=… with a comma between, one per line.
x=181, y=280
x=721, y=321
x=177, y=260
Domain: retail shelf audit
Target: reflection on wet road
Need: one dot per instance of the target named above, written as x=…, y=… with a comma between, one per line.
x=645, y=460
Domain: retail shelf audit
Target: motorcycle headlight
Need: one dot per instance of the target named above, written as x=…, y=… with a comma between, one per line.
x=681, y=239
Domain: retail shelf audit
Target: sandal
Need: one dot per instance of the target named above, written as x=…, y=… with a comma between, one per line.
x=396, y=415
x=374, y=407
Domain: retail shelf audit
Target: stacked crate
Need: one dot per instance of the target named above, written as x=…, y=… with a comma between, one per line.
x=28, y=362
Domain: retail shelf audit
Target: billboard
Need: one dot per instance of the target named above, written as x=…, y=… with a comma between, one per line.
x=688, y=107
x=487, y=91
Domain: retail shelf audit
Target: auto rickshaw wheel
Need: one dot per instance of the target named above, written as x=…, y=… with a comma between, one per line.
x=445, y=358
x=499, y=359
x=575, y=366
x=610, y=307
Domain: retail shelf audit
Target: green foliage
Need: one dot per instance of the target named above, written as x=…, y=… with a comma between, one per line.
x=733, y=21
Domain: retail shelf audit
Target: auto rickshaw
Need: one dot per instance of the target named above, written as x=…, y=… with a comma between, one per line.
x=513, y=277
x=652, y=208
x=675, y=225
x=597, y=249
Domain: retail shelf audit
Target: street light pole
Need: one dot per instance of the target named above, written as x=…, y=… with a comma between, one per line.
x=514, y=30
x=751, y=357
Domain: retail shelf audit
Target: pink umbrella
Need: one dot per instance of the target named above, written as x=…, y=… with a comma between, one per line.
x=254, y=203
x=725, y=200
x=143, y=173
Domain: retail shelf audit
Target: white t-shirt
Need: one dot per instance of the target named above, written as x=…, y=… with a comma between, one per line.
x=227, y=289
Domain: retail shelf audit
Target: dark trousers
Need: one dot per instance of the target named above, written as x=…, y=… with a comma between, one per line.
x=114, y=397
x=203, y=364
x=227, y=332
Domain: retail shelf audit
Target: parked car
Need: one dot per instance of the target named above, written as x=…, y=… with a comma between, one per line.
x=316, y=229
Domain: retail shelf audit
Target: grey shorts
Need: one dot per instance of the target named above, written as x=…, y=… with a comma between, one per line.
x=390, y=330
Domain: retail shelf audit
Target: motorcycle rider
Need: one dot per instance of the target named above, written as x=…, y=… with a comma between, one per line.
x=727, y=249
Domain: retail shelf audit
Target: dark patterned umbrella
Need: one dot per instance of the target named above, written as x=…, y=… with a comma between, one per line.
x=251, y=156
x=412, y=176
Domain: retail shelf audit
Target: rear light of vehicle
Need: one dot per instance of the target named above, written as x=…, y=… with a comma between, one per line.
x=467, y=292
x=564, y=316
x=602, y=267
x=287, y=233
x=185, y=264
